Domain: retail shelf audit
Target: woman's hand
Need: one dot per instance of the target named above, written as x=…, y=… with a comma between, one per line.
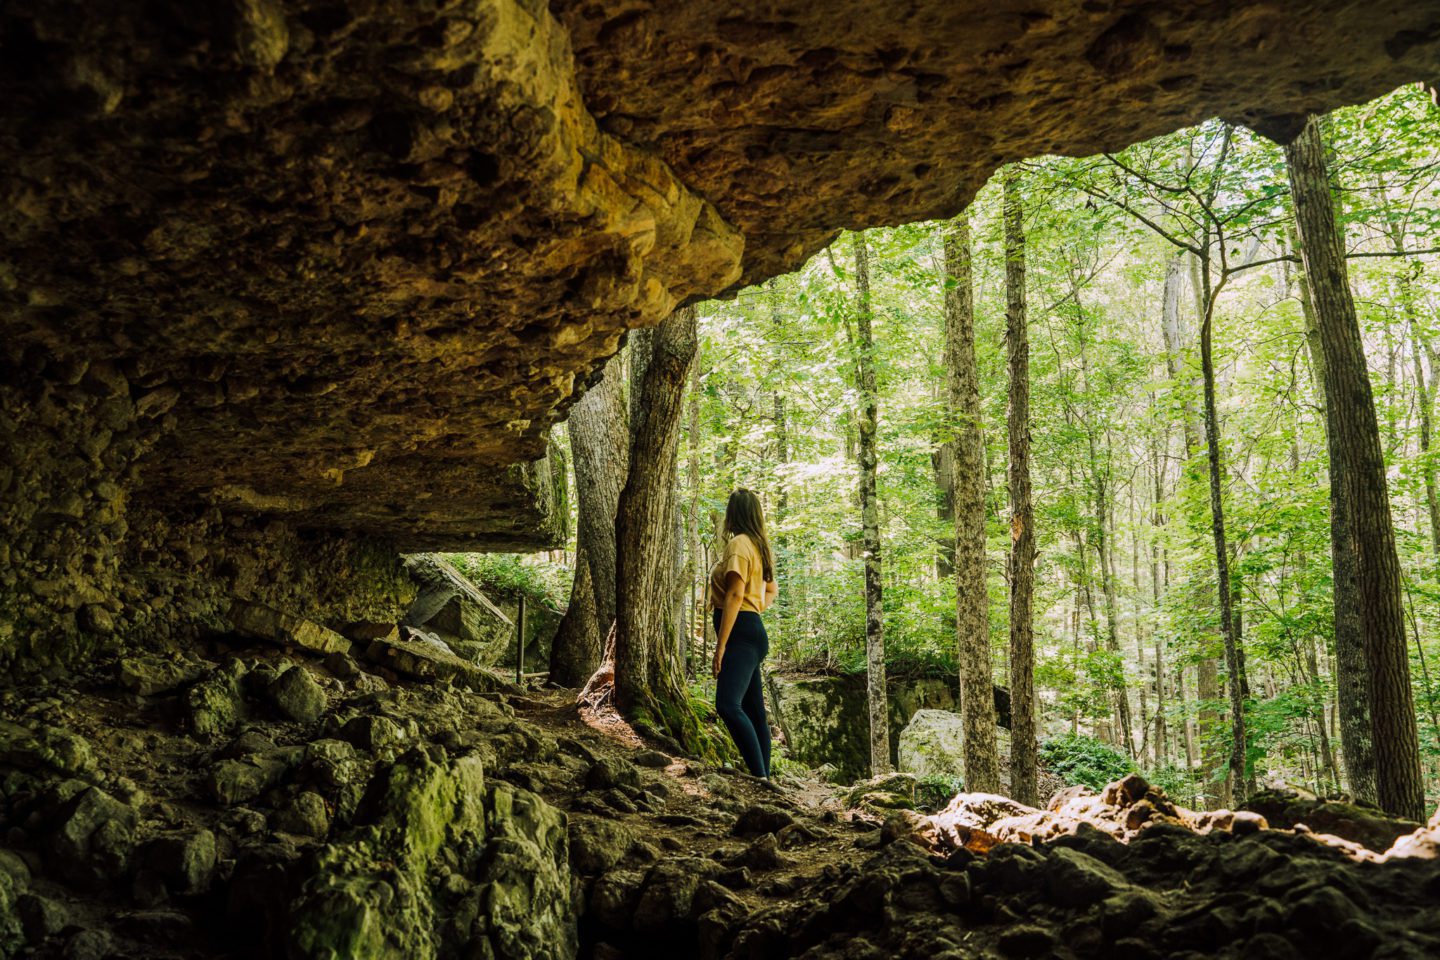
x=719, y=658
x=772, y=593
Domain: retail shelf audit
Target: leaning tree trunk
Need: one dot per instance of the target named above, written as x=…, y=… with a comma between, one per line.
x=1023, y=760
x=599, y=446
x=1361, y=528
x=649, y=686
x=870, y=517
x=1352, y=672
x=967, y=445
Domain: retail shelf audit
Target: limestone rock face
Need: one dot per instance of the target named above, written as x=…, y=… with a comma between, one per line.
x=933, y=744
x=799, y=120
x=283, y=269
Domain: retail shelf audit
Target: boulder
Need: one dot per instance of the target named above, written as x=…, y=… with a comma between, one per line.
x=39, y=746
x=304, y=816
x=932, y=745
x=823, y=718
x=266, y=623
x=891, y=791
x=1077, y=880
x=761, y=818
x=40, y=916
x=371, y=732
x=17, y=922
x=297, y=695
x=608, y=772
x=239, y=781
x=213, y=705
x=1366, y=826
x=597, y=844
x=374, y=892
x=424, y=661
x=150, y=675
x=93, y=839
x=184, y=860
x=451, y=607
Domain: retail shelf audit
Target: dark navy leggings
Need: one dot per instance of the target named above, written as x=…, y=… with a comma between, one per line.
x=740, y=690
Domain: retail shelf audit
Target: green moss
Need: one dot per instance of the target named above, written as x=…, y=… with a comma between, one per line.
x=369, y=896
x=679, y=720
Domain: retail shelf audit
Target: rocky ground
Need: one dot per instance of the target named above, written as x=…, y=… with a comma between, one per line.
x=269, y=798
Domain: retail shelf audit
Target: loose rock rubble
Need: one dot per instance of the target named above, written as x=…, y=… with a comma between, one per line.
x=268, y=801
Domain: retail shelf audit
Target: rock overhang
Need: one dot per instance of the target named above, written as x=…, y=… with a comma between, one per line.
x=346, y=262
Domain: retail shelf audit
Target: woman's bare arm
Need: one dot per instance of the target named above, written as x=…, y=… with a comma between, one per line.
x=772, y=592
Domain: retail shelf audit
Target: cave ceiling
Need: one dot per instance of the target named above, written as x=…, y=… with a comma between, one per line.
x=354, y=259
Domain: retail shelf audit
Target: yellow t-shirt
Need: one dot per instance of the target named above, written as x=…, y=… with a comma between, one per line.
x=743, y=557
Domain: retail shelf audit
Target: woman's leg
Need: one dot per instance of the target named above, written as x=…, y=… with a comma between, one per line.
x=741, y=663
x=753, y=703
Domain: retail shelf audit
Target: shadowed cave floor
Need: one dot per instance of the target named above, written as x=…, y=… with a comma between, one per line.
x=252, y=801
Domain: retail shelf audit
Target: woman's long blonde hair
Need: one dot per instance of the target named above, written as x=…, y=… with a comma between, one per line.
x=743, y=514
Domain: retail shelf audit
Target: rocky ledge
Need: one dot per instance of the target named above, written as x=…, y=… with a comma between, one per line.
x=269, y=793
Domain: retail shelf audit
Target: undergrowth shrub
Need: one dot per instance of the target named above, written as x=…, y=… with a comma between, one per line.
x=1076, y=758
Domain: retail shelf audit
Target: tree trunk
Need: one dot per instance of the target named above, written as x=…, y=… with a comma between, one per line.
x=1023, y=720
x=870, y=516
x=699, y=569
x=649, y=686
x=1222, y=551
x=966, y=442
x=943, y=460
x=1352, y=672
x=782, y=426
x=1367, y=586
x=599, y=446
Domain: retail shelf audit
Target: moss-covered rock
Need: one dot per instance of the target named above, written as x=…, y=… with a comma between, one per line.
x=14, y=880
x=932, y=745
x=213, y=705
x=824, y=718
x=428, y=826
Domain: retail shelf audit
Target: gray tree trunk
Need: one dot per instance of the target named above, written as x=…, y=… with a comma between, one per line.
x=649, y=684
x=1023, y=720
x=1367, y=584
x=870, y=515
x=599, y=446
x=967, y=445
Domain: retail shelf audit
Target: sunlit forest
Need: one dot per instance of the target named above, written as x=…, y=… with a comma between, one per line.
x=1124, y=257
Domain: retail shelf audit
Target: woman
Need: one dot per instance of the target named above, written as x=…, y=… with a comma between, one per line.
x=742, y=585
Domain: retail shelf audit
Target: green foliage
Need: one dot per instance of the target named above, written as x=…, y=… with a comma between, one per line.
x=1118, y=450
x=934, y=792
x=510, y=574
x=1076, y=758
x=1174, y=780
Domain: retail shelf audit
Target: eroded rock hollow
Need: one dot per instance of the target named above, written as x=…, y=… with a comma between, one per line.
x=287, y=287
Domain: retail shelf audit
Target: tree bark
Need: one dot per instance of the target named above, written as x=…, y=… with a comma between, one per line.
x=870, y=515
x=649, y=686
x=599, y=446
x=782, y=425
x=1367, y=587
x=1215, y=459
x=966, y=442
x=1352, y=671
